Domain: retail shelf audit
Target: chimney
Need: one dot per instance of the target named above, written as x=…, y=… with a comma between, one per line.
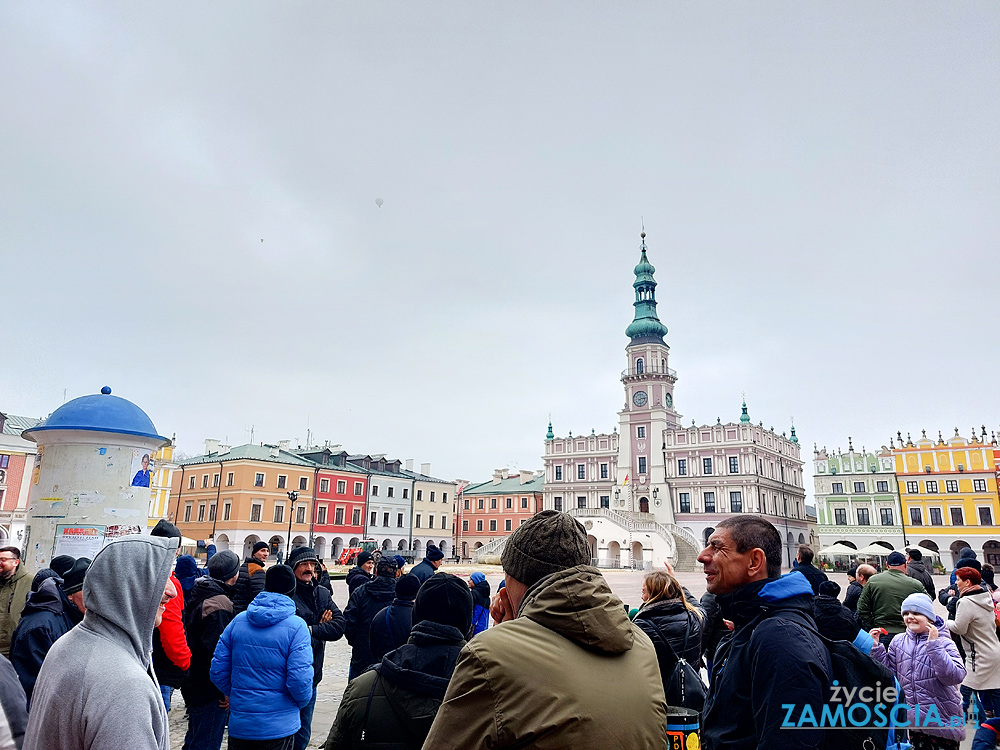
x=274, y=450
x=283, y=444
x=409, y=464
x=527, y=475
x=425, y=469
x=499, y=475
x=211, y=446
x=224, y=448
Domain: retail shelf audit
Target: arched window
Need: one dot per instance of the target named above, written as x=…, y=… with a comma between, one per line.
x=639, y=366
x=663, y=365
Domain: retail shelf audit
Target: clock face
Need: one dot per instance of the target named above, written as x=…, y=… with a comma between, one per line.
x=639, y=398
x=669, y=400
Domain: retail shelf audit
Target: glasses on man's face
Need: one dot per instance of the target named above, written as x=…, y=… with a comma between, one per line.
x=7, y=559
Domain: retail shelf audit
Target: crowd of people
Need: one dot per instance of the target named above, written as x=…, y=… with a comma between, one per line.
x=95, y=649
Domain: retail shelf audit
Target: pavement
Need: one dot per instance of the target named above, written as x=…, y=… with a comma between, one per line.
x=626, y=584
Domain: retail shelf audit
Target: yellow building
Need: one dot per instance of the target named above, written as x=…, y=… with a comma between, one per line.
x=948, y=490
x=159, y=486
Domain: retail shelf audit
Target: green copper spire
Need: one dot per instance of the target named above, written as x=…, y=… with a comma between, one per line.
x=794, y=439
x=646, y=326
x=550, y=435
x=745, y=418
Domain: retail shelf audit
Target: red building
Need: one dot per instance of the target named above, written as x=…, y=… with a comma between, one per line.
x=493, y=509
x=340, y=502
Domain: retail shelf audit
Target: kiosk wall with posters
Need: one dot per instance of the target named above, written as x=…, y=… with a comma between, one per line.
x=91, y=481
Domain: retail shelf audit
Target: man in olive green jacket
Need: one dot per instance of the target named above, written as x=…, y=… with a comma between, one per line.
x=15, y=583
x=883, y=595
x=564, y=667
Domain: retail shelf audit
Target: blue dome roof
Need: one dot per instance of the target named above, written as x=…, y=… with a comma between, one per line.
x=100, y=412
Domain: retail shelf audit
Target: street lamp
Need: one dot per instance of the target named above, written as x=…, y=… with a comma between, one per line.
x=293, y=496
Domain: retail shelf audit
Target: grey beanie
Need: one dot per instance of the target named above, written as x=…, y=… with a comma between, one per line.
x=224, y=565
x=547, y=542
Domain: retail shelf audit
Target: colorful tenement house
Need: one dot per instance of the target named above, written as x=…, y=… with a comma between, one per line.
x=490, y=511
x=239, y=496
x=17, y=460
x=163, y=468
x=949, y=493
x=338, y=512
x=681, y=480
x=433, y=511
x=857, y=499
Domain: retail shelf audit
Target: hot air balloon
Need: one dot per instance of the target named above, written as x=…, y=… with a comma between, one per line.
x=379, y=202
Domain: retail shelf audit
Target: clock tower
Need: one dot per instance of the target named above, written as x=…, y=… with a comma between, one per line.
x=649, y=403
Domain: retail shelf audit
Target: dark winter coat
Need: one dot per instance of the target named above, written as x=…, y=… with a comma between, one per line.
x=48, y=614
x=854, y=590
x=833, y=619
x=714, y=628
x=356, y=577
x=929, y=673
x=423, y=570
x=366, y=602
x=390, y=628
x=323, y=579
x=814, y=575
x=669, y=625
x=310, y=604
x=918, y=571
x=248, y=585
x=480, y=607
x=771, y=658
x=207, y=612
x=409, y=685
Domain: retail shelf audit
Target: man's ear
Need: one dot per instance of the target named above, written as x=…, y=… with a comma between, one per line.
x=758, y=564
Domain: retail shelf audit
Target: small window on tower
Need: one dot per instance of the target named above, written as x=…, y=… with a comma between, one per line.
x=639, y=366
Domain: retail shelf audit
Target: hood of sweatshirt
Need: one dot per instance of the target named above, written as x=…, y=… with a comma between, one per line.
x=269, y=608
x=578, y=604
x=123, y=589
x=48, y=598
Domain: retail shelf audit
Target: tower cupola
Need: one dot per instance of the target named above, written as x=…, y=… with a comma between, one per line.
x=646, y=326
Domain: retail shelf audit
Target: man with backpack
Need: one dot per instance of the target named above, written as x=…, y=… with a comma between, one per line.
x=774, y=656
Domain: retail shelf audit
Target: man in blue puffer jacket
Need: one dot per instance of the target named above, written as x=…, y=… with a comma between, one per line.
x=264, y=663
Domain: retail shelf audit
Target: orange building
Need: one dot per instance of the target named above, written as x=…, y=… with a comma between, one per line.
x=242, y=495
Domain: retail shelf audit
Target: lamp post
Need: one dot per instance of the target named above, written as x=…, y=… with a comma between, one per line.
x=293, y=496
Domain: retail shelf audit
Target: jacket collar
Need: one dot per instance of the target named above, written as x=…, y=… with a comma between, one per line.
x=753, y=600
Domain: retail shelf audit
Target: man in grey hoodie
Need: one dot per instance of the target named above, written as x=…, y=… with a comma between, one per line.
x=96, y=688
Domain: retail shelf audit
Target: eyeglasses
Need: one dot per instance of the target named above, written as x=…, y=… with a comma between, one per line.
x=8, y=559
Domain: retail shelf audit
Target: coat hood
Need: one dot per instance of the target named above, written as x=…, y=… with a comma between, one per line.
x=48, y=598
x=269, y=608
x=981, y=597
x=186, y=570
x=578, y=604
x=791, y=591
x=123, y=589
x=424, y=664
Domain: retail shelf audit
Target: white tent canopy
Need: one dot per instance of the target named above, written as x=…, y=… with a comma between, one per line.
x=837, y=549
x=927, y=551
x=876, y=549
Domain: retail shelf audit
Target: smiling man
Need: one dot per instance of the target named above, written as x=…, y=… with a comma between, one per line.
x=773, y=656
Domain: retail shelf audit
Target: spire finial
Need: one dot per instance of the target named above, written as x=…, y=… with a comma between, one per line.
x=850, y=444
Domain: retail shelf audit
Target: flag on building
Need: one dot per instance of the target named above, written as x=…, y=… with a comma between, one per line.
x=626, y=480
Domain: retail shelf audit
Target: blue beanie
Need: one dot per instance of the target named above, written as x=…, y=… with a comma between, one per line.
x=478, y=577
x=921, y=604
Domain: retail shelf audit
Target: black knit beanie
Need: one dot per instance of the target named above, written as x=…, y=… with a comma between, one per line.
x=445, y=599
x=547, y=542
x=165, y=529
x=280, y=579
x=61, y=563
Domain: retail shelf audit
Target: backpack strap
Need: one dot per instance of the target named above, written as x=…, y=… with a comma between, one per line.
x=368, y=705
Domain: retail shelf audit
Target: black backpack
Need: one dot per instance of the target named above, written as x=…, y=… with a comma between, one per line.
x=852, y=668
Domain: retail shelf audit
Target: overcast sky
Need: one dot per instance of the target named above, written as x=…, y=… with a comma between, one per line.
x=187, y=214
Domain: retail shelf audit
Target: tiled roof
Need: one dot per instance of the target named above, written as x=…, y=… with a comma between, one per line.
x=423, y=477
x=250, y=452
x=509, y=486
x=15, y=425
